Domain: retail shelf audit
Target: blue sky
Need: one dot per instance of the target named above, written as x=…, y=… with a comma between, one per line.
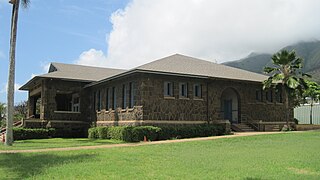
x=128, y=33
x=53, y=31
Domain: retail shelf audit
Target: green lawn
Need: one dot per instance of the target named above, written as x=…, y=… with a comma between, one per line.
x=277, y=156
x=56, y=143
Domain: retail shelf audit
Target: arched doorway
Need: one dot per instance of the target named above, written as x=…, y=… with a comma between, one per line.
x=230, y=105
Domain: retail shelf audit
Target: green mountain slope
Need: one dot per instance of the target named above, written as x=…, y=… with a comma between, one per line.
x=309, y=51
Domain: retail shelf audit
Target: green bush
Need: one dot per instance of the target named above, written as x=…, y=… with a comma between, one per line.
x=103, y=132
x=123, y=133
x=93, y=133
x=150, y=132
x=26, y=133
x=190, y=131
x=136, y=134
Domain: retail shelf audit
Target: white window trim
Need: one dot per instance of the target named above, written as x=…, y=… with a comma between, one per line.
x=185, y=90
x=166, y=89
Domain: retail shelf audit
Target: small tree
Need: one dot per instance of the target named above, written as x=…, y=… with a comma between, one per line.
x=286, y=71
x=312, y=92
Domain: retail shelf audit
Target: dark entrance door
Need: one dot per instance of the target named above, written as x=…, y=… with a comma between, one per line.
x=228, y=109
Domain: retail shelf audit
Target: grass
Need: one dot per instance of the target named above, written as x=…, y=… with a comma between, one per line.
x=56, y=143
x=277, y=156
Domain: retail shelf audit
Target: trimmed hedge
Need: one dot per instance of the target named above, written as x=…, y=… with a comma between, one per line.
x=26, y=133
x=124, y=133
x=190, y=131
x=151, y=132
x=136, y=134
x=93, y=133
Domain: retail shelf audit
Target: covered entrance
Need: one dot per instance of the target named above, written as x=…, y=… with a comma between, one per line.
x=230, y=105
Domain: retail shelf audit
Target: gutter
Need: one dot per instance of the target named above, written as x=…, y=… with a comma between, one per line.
x=163, y=73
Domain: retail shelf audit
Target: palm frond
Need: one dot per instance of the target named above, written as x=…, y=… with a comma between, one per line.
x=270, y=69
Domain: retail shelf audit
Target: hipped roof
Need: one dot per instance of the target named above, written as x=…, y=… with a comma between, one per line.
x=178, y=65
x=73, y=72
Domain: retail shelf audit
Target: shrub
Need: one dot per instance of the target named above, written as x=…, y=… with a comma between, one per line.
x=93, y=133
x=123, y=133
x=189, y=131
x=150, y=132
x=26, y=133
x=136, y=134
x=103, y=132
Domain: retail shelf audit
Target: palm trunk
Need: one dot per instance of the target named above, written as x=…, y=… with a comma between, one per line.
x=286, y=96
x=11, y=82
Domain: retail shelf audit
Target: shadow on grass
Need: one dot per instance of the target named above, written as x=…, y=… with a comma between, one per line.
x=22, y=166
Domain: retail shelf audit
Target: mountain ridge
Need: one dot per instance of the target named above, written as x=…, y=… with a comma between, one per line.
x=309, y=51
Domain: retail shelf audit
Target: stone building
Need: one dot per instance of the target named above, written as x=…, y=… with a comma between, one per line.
x=173, y=90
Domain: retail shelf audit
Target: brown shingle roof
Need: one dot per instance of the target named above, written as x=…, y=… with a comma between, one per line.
x=180, y=64
x=75, y=73
x=175, y=65
x=80, y=72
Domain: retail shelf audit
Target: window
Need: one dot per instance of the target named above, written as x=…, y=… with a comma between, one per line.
x=75, y=103
x=68, y=102
x=197, y=91
x=279, y=98
x=94, y=101
x=183, y=90
x=99, y=100
x=114, y=98
x=259, y=95
x=269, y=96
x=131, y=102
x=124, y=96
x=107, y=99
x=168, y=88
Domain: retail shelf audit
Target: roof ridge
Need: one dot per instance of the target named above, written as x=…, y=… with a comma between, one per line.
x=86, y=66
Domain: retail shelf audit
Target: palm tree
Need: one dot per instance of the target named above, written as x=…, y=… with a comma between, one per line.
x=12, y=53
x=312, y=92
x=286, y=72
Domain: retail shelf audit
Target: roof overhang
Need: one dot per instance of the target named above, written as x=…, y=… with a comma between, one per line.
x=32, y=82
x=164, y=73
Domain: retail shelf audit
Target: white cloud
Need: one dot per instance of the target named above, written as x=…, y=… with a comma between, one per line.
x=92, y=57
x=223, y=30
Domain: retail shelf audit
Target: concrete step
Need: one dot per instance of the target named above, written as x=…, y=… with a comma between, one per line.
x=243, y=127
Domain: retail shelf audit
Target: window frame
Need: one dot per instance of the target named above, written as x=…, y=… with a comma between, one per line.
x=168, y=89
x=197, y=91
x=107, y=99
x=114, y=98
x=75, y=105
x=124, y=96
x=99, y=103
x=131, y=95
x=183, y=90
x=259, y=95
